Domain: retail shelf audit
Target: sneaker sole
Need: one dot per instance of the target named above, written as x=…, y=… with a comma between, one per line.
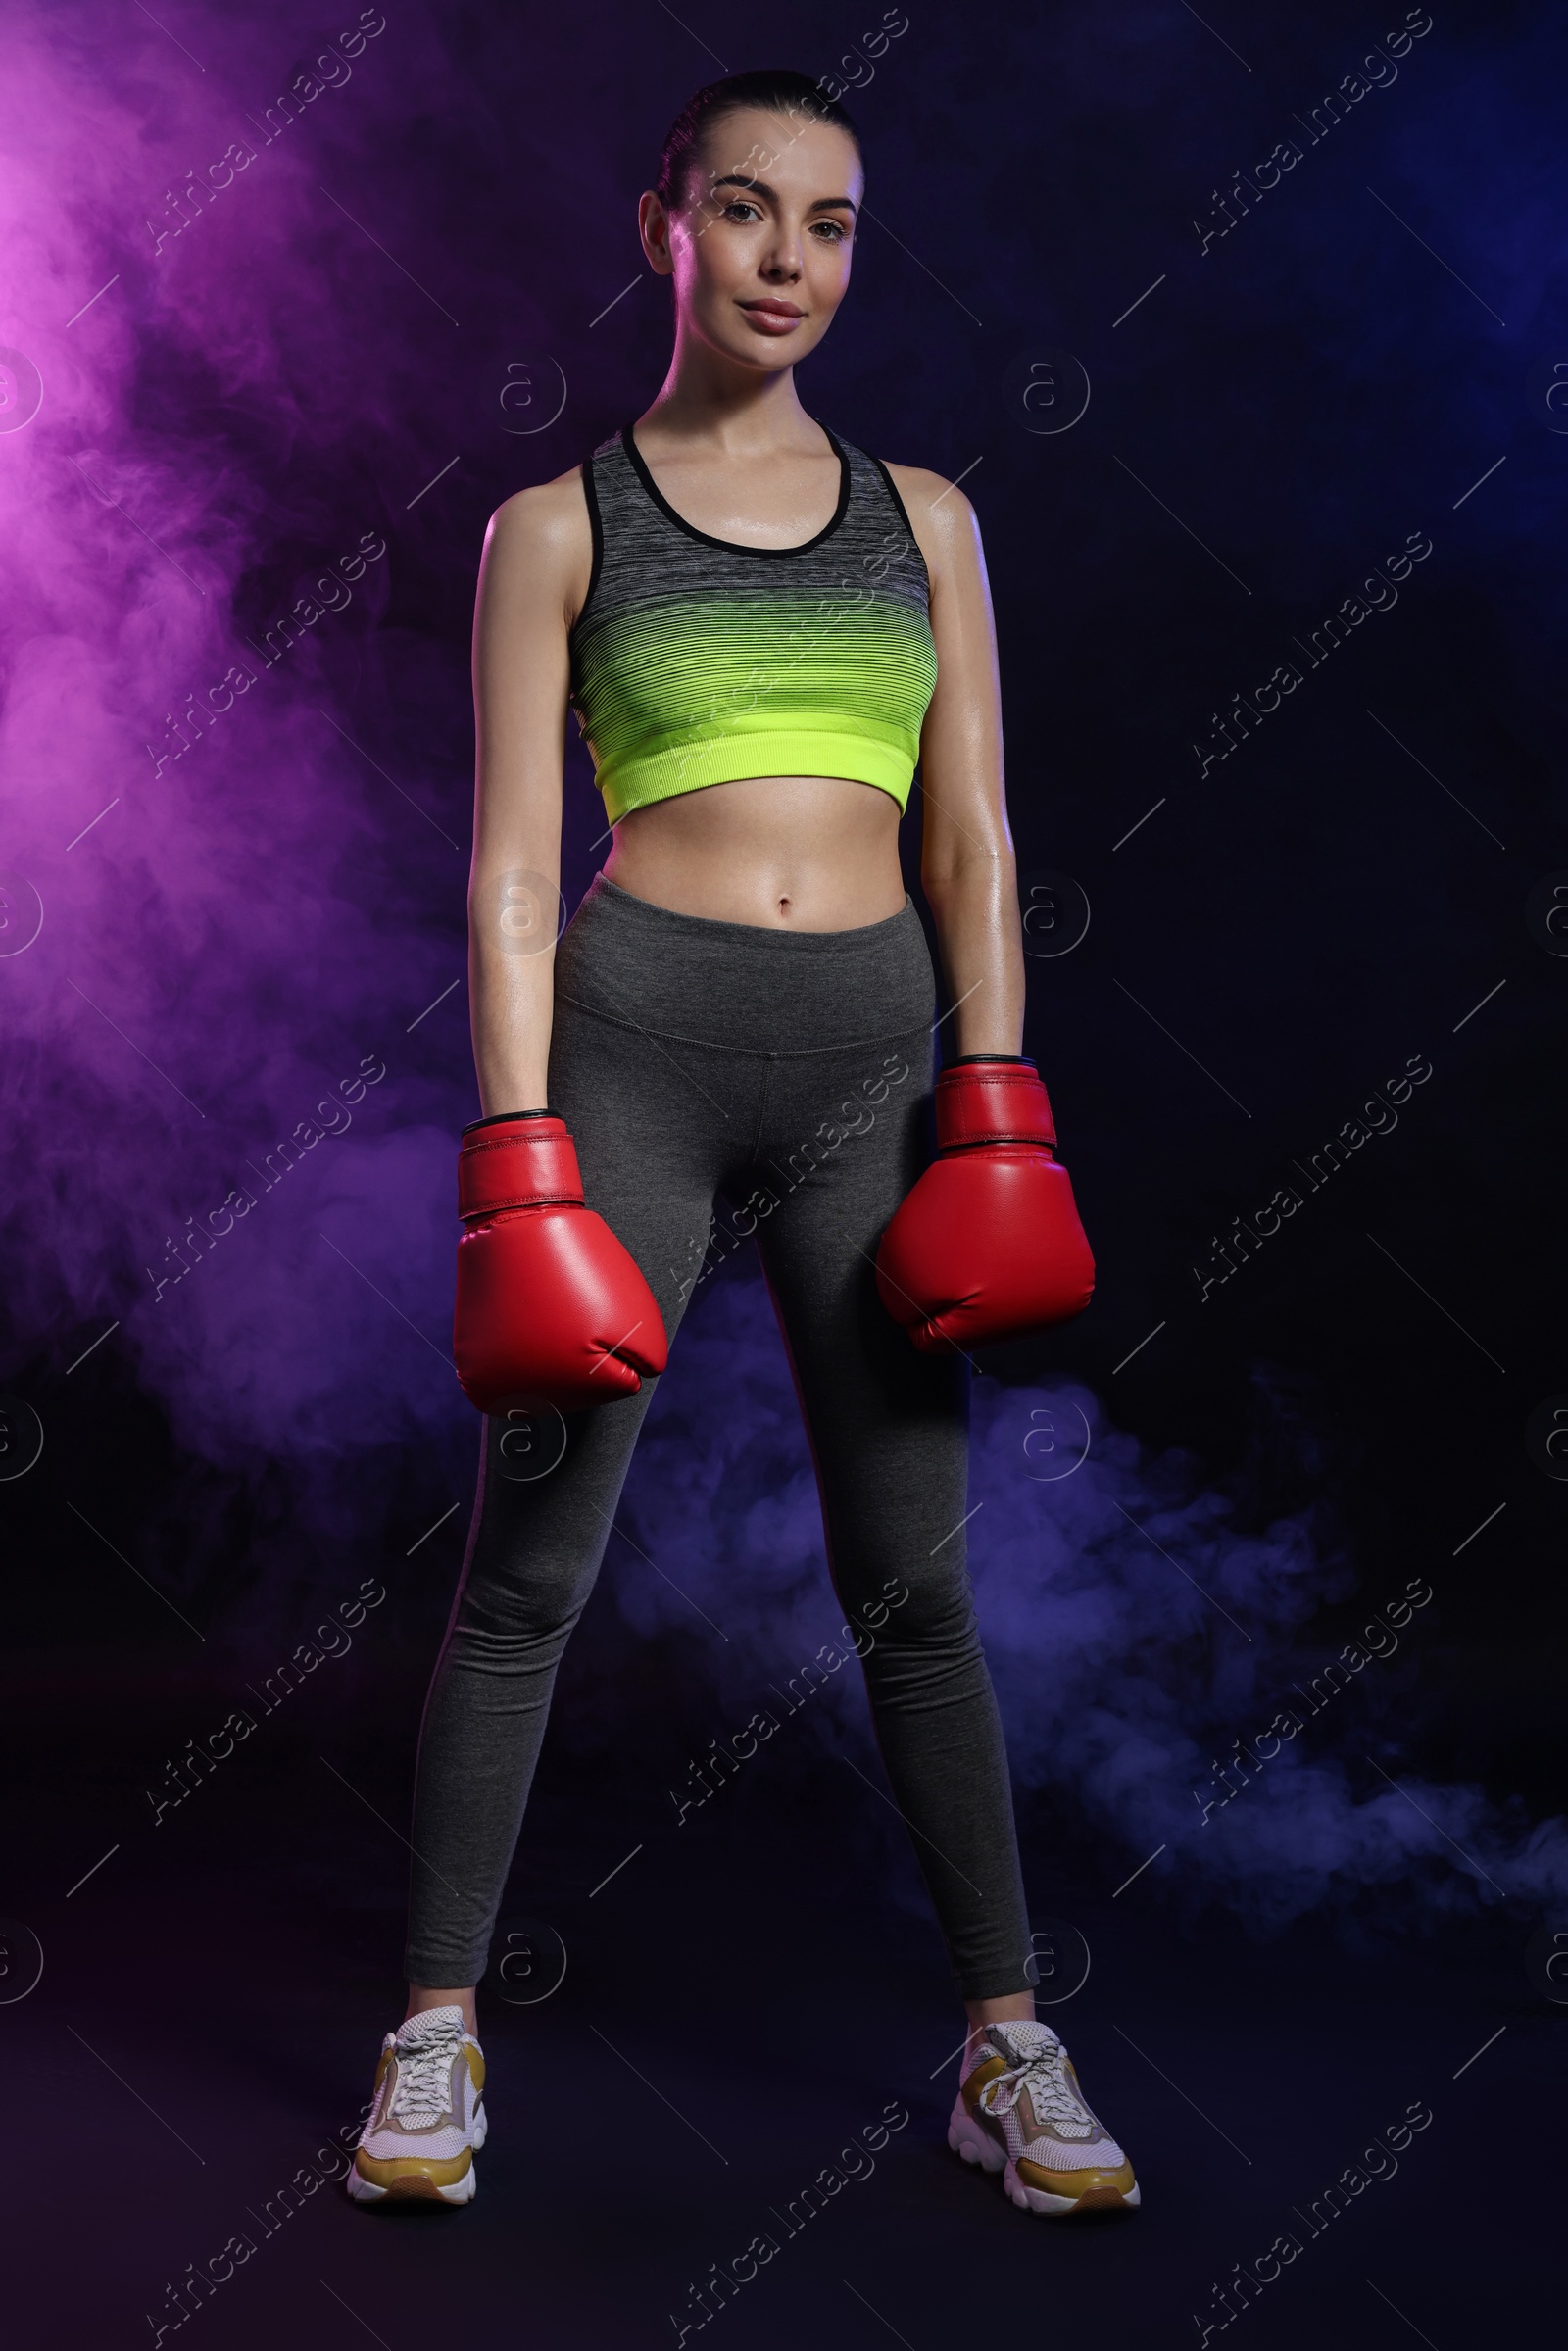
x=413, y=2189
x=1095, y=2199
x=967, y=2137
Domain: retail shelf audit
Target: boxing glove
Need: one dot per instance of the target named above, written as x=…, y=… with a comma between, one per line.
x=988, y=1245
x=548, y=1305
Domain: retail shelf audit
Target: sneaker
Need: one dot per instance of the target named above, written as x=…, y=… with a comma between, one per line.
x=427, y=2118
x=1020, y=2110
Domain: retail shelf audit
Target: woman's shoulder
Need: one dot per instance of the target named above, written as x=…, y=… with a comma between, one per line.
x=544, y=534
x=540, y=541
x=549, y=512
x=939, y=514
x=919, y=480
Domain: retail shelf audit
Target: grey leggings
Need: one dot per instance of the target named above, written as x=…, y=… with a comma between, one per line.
x=785, y=1073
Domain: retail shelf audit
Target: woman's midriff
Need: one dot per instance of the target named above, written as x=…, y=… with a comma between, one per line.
x=801, y=853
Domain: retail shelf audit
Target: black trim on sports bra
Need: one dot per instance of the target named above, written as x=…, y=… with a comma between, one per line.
x=596, y=527
x=892, y=489
x=705, y=538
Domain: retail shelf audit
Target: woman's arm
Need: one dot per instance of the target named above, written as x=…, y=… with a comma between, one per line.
x=967, y=861
x=987, y=1246
x=533, y=576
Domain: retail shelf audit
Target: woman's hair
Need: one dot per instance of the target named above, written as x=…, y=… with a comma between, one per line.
x=774, y=90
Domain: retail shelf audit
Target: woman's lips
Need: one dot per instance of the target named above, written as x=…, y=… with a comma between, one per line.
x=772, y=319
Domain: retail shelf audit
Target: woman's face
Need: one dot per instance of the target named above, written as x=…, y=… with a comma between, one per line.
x=759, y=247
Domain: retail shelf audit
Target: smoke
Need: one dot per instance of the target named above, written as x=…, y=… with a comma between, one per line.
x=1148, y=1654
x=229, y=893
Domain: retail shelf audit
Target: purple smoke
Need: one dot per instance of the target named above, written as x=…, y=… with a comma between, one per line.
x=243, y=911
x=1136, y=1636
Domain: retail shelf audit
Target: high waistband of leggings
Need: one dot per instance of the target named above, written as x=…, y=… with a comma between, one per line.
x=740, y=986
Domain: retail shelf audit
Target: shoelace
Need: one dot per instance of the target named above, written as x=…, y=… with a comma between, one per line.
x=423, y=2077
x=1050, y=2093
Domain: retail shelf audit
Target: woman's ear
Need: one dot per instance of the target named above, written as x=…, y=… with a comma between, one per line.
x=653, y=224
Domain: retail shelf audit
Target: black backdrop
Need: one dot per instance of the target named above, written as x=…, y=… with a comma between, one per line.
x=1200, y=410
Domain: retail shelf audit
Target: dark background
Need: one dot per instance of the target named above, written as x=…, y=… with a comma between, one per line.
x=1368, y=354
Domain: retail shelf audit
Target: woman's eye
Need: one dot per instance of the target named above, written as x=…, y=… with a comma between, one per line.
x=734, y=210
x=832, y=233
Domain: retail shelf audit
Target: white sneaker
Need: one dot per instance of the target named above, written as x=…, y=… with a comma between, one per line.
x=428, y=2115
x=1020, y=2110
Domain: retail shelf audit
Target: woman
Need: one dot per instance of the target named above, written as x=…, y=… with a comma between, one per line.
x=760, y=629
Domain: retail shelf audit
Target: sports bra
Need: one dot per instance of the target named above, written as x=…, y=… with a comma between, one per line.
x=696, y=661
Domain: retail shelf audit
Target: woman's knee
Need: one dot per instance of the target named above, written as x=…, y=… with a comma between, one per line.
x=921, y=1644
x=523, y=1605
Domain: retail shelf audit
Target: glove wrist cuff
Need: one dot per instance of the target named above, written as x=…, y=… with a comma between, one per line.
x=516, y=1163
x=500, y=1119
x=993, y=1100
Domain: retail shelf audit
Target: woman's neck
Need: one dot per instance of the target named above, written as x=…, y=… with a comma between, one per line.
x=707, y=399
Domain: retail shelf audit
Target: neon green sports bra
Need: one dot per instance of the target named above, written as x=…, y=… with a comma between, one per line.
x=698, y=662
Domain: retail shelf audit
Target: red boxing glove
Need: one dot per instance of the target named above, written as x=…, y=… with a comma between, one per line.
x=549, y=1303
x=988, y=1245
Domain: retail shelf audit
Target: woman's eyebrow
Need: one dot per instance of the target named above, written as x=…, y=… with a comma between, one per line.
x=760, y=187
